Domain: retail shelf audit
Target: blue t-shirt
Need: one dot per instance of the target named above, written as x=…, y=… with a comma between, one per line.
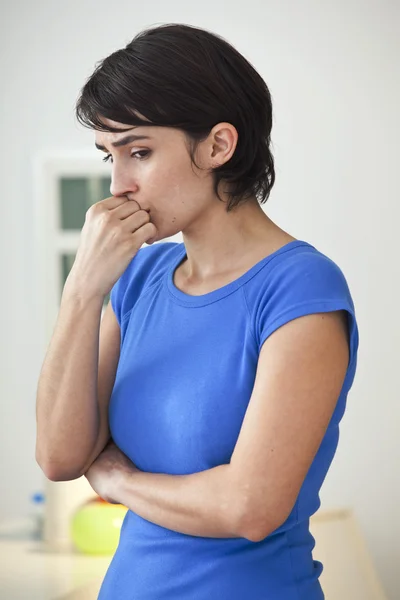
x=185, y=376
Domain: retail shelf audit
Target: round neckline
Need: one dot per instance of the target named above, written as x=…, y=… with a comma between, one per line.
x=188, y=300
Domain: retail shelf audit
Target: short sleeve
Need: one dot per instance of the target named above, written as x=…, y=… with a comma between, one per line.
x=144, y=271
x=303, y=284
x=117, y=295
x=128, y=287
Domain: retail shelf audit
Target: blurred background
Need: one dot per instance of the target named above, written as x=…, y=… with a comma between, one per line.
x=333, y=72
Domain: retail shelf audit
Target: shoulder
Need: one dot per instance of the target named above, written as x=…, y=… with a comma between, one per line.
x=299, y=274
x=295, y=283
x=145, y=269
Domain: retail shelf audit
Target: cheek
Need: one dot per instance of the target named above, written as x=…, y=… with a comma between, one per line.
x=173, y=175
x=171, y=191
x=173, y=187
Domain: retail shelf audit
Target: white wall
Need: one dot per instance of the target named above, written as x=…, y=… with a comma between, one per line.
x=333, y=72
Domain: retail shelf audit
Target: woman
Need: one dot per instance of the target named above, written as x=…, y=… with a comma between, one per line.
x=208, y=398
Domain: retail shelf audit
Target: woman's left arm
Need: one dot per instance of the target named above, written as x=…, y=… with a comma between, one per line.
x=200, y=504
x=300, y=374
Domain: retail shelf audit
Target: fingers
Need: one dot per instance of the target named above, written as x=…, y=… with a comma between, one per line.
x=127, y=209
x=116, y=201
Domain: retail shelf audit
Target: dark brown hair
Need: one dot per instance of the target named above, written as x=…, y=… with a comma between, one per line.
x=181, y=76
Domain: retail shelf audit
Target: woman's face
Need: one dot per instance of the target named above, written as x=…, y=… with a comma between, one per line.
x=158, y=174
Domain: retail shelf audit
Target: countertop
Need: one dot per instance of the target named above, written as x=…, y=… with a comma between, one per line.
x=29, y=572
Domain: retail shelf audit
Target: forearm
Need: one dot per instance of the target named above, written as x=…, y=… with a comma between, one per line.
x=67, y=411
x=201, y=504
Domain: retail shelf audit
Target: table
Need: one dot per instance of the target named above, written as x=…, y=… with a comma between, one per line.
x=27, y=570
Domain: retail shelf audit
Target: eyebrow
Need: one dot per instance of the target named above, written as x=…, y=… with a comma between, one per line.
x=123, y=141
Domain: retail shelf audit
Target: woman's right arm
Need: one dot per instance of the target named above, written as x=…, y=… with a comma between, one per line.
x=75, y=386
x=79, y=369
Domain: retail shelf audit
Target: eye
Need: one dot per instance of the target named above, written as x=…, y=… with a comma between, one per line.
x=146, y=153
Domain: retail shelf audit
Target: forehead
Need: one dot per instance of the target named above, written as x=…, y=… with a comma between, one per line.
x=112, y=136
x=103, y=138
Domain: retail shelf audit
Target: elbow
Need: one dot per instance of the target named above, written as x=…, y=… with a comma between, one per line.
x=56, y=471
x=61, y=475
x=255, y=532
x=255, y=526
x=256, y=535
x=252, y=533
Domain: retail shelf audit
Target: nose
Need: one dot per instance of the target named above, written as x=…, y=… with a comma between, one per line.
x=119, y=190
x=122, y=185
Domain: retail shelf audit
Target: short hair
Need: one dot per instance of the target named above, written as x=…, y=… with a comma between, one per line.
x=181, y=76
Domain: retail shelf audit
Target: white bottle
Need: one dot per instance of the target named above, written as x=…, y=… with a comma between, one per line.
x=28, y=527
x=38, y=500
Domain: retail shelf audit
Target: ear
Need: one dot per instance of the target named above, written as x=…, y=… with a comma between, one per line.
x=219, y=146
x=223, y=141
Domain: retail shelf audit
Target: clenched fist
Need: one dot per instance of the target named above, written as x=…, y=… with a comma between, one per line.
x=114, y=231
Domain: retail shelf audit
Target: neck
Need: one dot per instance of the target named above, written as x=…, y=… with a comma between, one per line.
x=221, y=242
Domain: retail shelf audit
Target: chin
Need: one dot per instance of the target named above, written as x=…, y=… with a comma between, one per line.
x=163, y=236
